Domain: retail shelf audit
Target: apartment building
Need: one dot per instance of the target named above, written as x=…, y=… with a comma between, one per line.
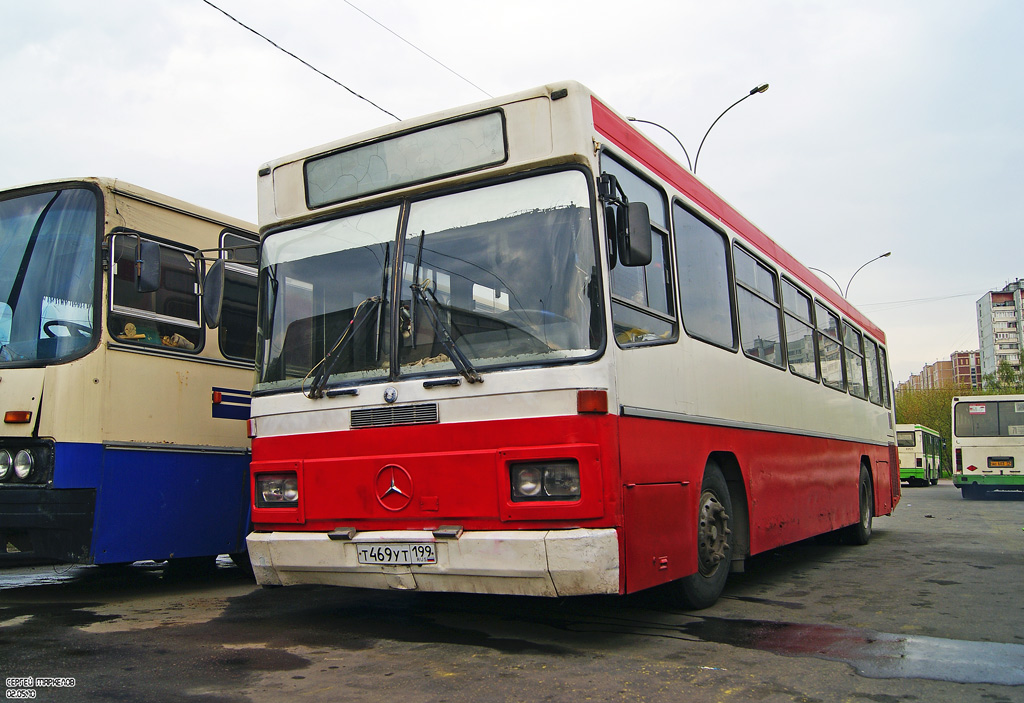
x=1000, y=327
x=937, y=375
x=966, y=368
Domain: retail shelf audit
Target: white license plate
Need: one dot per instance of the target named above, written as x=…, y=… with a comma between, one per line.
x=399, y=554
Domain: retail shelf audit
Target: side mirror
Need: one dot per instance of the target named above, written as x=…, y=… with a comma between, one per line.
x=213, y=294
x=634, y=235
x=147, y=266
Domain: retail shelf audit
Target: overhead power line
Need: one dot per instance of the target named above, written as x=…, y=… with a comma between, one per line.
x=439, y=63
x=301, y=60
x=893, y=304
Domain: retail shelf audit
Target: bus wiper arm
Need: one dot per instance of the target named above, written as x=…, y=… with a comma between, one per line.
x=327, y=364
x=462, y=363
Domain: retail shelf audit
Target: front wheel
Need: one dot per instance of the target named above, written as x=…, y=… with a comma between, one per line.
x=241, y=560
x=714, y=543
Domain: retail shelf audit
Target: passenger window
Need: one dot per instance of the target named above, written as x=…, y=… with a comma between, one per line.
x=642, y=300
x=852, y=340
x=799, y=320
x=872, y=369
x=883, y=369
x=758, y=306
x=168, y=317
x=830, y=350
x=705, y=298
x=238, y=315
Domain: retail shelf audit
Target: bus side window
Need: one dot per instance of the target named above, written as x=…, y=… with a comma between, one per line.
x=642, y=299
x=873, y=373
x=799, y=321
x=883, y=372
x=852, y=342
x=238, y=317
x=758, y=305
x=705, y=291
x=830, y=350
x=167, y=317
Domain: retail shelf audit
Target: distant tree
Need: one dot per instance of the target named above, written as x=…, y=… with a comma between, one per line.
x=1006, y=379
x=932, y=408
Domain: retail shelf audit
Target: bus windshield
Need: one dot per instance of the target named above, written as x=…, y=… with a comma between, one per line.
x=498, y=276
x=906, y=439
x=47, y=280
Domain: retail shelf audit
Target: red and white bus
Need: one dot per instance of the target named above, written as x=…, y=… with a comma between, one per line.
x=515, y=348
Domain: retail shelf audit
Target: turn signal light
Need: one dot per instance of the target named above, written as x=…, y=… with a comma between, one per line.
x=17, y=417
x=591, y=401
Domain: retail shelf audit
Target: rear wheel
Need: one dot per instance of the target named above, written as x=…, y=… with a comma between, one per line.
x=860, y=533
x=714, y=543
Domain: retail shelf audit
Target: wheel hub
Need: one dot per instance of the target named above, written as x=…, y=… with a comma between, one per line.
x=712, y=533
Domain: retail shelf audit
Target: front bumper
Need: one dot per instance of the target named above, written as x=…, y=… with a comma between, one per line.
x=536, y=563
x=49, y=523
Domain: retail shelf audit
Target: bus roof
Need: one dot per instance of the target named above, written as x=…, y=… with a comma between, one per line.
x=907, y=426
x=1018, y=397
x=135, y=192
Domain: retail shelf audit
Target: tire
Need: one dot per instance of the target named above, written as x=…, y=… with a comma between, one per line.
x=241, y=560
x=860, y=532
x=714, y=543
x=190, y=567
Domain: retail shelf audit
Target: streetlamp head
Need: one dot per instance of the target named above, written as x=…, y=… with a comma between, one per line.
x=759, y=89
x=888, y=253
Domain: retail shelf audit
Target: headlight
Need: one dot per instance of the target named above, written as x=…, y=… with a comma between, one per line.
x=23, y=463
x=5, y=464
x=528, y=481
x=277, y=490
x=551, y=480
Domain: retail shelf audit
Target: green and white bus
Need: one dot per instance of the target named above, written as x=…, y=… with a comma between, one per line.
x=920, y=452
x=988, y=442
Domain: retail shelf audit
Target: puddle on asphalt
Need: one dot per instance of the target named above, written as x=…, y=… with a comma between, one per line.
x=138, y=574
x=877, y=655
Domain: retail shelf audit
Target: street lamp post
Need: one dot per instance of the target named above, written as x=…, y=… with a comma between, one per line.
x=846, y=290
x=839, y=288
x=688, y=165
x=753, y=91
x=693, y=168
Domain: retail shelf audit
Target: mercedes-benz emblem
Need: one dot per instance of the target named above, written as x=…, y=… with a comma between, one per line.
x=393, y=488
x=390, y=394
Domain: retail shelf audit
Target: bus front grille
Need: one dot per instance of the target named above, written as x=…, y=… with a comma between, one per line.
x=389, y=416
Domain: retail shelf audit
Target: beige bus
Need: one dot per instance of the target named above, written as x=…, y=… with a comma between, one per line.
x=124, y=416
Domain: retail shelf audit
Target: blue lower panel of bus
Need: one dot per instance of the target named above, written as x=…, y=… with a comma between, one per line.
x=111, y=505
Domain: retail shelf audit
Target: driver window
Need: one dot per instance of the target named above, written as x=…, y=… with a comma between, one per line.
x=643, y=310
x=168, y=317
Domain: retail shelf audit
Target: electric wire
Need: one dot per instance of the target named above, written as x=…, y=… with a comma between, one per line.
x=301, y=60
x=895, y=304
x=396, y=34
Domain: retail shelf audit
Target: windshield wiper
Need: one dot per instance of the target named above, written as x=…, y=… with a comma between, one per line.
x=327, y=364
x=462, y=363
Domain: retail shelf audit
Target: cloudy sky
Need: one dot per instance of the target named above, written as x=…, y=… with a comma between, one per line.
x=890, y=125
